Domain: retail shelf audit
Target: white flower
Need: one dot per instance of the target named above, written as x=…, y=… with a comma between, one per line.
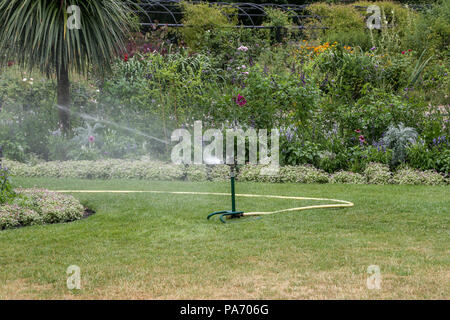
x=242, y=48
x=24, y=79
x=31, y=79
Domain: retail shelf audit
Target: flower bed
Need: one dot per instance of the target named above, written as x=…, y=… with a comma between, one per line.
x=39, y=206
x=374, y=173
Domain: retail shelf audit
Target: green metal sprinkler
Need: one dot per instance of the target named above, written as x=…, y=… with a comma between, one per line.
x=229, y=214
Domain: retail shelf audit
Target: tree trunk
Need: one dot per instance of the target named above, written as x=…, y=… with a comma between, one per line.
x=63, y=98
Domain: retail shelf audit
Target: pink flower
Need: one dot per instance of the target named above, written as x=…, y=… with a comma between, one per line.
x=240, y=100
x=358, y=131
x=91, y=139
x=361, y=139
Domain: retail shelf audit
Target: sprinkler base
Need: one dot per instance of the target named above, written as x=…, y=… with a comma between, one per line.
x=228, y=214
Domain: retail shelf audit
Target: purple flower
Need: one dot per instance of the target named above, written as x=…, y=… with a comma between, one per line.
x=91, y=138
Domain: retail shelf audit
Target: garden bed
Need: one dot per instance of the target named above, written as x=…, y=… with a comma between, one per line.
x=374, y=173
x=40, y=206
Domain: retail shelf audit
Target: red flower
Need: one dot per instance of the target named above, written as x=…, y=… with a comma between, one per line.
x=403, y=52
x=125, y=57
x=240, y=100
x=10, y=63
x=409, y=50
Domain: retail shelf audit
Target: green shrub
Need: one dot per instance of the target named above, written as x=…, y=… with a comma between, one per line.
x=6, y=191
x=220, y=172
x=432, y=30
x=281, y=24
x=398, y=139
x=39, y=206
x=347, y=177
x=337, y=18
x=377, y=173
x=202, y=18
x=9, y=216
x=196, y=172
x=415, y=177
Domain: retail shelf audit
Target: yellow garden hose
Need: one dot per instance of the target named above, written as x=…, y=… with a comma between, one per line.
x=337, y=203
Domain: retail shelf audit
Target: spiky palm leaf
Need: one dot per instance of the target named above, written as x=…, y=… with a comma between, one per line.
x=34, y=34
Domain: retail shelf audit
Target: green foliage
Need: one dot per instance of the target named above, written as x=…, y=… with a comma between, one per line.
x=202, y=18
x=280, y=23
x=421, y=156
x=377, y=173
x=347, y=177
x=374, y=173
x=398, y=138
x=34, y=33
x=39, y=206
x=432, y=30
x=337, y=18
x=415, y=177
x=6, y=191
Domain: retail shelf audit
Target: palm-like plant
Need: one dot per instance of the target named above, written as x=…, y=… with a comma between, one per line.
x=35, y=34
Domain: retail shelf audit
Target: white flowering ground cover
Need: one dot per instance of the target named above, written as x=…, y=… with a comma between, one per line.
x=374, y=173
x=35, y=206
x=161, y=246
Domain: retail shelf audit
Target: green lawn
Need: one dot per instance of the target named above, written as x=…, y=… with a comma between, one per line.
x=158, y=246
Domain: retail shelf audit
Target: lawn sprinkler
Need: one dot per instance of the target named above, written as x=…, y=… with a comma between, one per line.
x=229, y=214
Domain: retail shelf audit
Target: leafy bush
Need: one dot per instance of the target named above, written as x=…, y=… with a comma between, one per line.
x=410, y=176
x=300, y=174
x=196, y=172
x=339, y=19
x=6, y=191
x=374, y=173
x=219, y=172
x=398, y=139
x=201, y=18
x=39, y=206
x=347, y=177
x=432, y=30
x=421, y=156
x=377, y=173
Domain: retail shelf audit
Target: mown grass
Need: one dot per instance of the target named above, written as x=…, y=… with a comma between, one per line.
x=157, y=246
